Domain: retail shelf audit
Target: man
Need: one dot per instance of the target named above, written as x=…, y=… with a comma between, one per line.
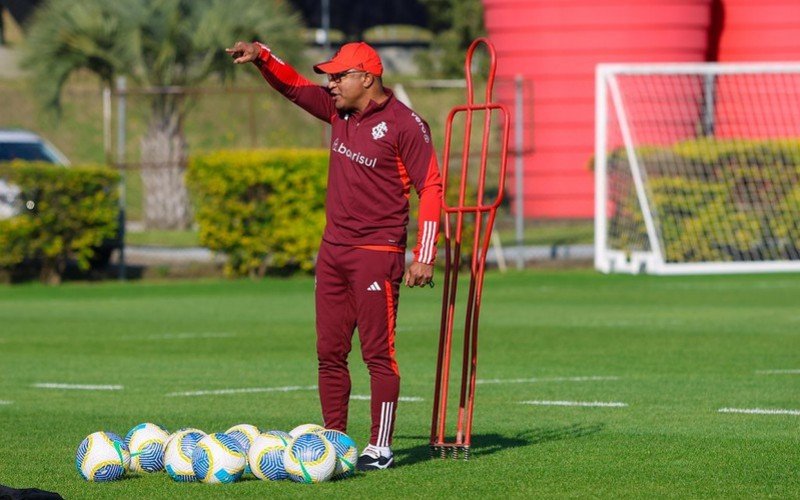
x=379, y=149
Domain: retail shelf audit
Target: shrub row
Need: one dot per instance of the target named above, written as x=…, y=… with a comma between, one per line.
x=264, y=209
x=63, y=214
x=716, y=200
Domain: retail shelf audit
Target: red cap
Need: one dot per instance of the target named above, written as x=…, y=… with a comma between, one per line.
x=355, y=55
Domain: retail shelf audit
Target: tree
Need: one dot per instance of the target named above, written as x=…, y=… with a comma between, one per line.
x=455, y=23
x=154, y=43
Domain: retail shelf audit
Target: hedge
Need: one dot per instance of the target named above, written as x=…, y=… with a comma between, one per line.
x=263, y=209
x=696, y=189
x=67, y=214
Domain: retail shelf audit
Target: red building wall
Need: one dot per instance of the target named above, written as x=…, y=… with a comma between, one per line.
x=758, y=30
x=557, y=44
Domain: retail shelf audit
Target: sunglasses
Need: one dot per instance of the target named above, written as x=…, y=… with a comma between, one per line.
x=338, y=77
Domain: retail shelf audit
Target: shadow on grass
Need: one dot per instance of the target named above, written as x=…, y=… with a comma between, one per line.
x=486, y=444
x=129, y=476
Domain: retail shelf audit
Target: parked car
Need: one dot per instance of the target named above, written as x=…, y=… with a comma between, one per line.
x=23, y=145
x=26, y=145
x=18, y=144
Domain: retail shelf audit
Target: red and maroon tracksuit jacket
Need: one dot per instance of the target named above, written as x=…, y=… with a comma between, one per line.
x=375, y=158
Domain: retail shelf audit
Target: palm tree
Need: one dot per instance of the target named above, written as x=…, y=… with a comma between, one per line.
x=154, y=43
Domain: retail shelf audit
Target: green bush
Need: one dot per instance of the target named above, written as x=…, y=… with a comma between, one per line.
x=264, y=209
x=702, y=189
x=699, y=238
x=70, y=212
x=786, y=227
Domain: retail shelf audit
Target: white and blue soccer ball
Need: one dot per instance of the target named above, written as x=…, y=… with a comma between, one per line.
x=304, y=428
x=182, y=430
x=266, y=456
x=178, y=455
x=245, y=434
x=102, y=456
x=309, y=458
x=146, y=443
x=285, y=435
x=218, y=458
x=346, y=453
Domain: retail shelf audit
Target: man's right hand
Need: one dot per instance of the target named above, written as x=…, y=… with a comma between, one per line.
x=244, y=52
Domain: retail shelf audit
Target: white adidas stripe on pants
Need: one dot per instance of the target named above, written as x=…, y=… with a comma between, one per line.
x=385, y=429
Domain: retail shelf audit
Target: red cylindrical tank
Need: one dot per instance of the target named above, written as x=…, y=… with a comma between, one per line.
x=758, y=31
x=557, y=45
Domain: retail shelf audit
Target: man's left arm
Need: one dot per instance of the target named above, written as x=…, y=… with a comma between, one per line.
x=419, y=158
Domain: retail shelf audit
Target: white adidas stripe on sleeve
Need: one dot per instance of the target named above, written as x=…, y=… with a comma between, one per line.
x=428, y=239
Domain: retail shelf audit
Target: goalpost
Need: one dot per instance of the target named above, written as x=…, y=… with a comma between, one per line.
x=697, y=168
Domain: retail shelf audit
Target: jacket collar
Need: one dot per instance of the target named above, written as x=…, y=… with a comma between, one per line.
x=373, y=107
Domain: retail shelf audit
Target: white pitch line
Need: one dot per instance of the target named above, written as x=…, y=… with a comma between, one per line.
x=759, y=411
x=5, y=402
x=364, y=397
x=544, y=379
x=612, y=404
x=245, y=390
x=83, y=387
x=778, y=372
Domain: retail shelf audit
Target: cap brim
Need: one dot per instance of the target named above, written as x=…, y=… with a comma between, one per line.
x=330, y=68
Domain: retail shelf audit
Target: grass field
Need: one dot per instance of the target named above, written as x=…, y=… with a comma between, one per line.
x=674, y=350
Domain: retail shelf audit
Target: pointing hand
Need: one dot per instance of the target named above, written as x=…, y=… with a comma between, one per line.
x=243, y=52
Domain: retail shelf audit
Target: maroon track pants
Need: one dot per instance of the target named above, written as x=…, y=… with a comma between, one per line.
x=358, y=288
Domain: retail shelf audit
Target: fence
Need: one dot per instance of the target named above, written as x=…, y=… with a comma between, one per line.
x=109, y=126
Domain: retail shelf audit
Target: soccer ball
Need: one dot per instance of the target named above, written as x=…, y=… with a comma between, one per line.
x=102, y=456
x=218, y=458
x=346, y=453
x=146, y=443
x=309, y=458
x=179, y=431
x=285, y=435
x=244, y=434
x=178, y=455
x=304, y=428
x=266, y=457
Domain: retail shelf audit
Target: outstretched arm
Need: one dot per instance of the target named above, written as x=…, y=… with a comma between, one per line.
x=285, y=79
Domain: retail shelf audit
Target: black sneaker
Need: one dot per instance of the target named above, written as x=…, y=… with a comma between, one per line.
x=371, y=460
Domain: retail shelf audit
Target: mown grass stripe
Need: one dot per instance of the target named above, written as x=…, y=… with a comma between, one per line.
x=182, y=336
x=244, y=390
x=594, y=378
x=599, y=404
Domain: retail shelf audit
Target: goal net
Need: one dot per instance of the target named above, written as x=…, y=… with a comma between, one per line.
x=697, y=168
